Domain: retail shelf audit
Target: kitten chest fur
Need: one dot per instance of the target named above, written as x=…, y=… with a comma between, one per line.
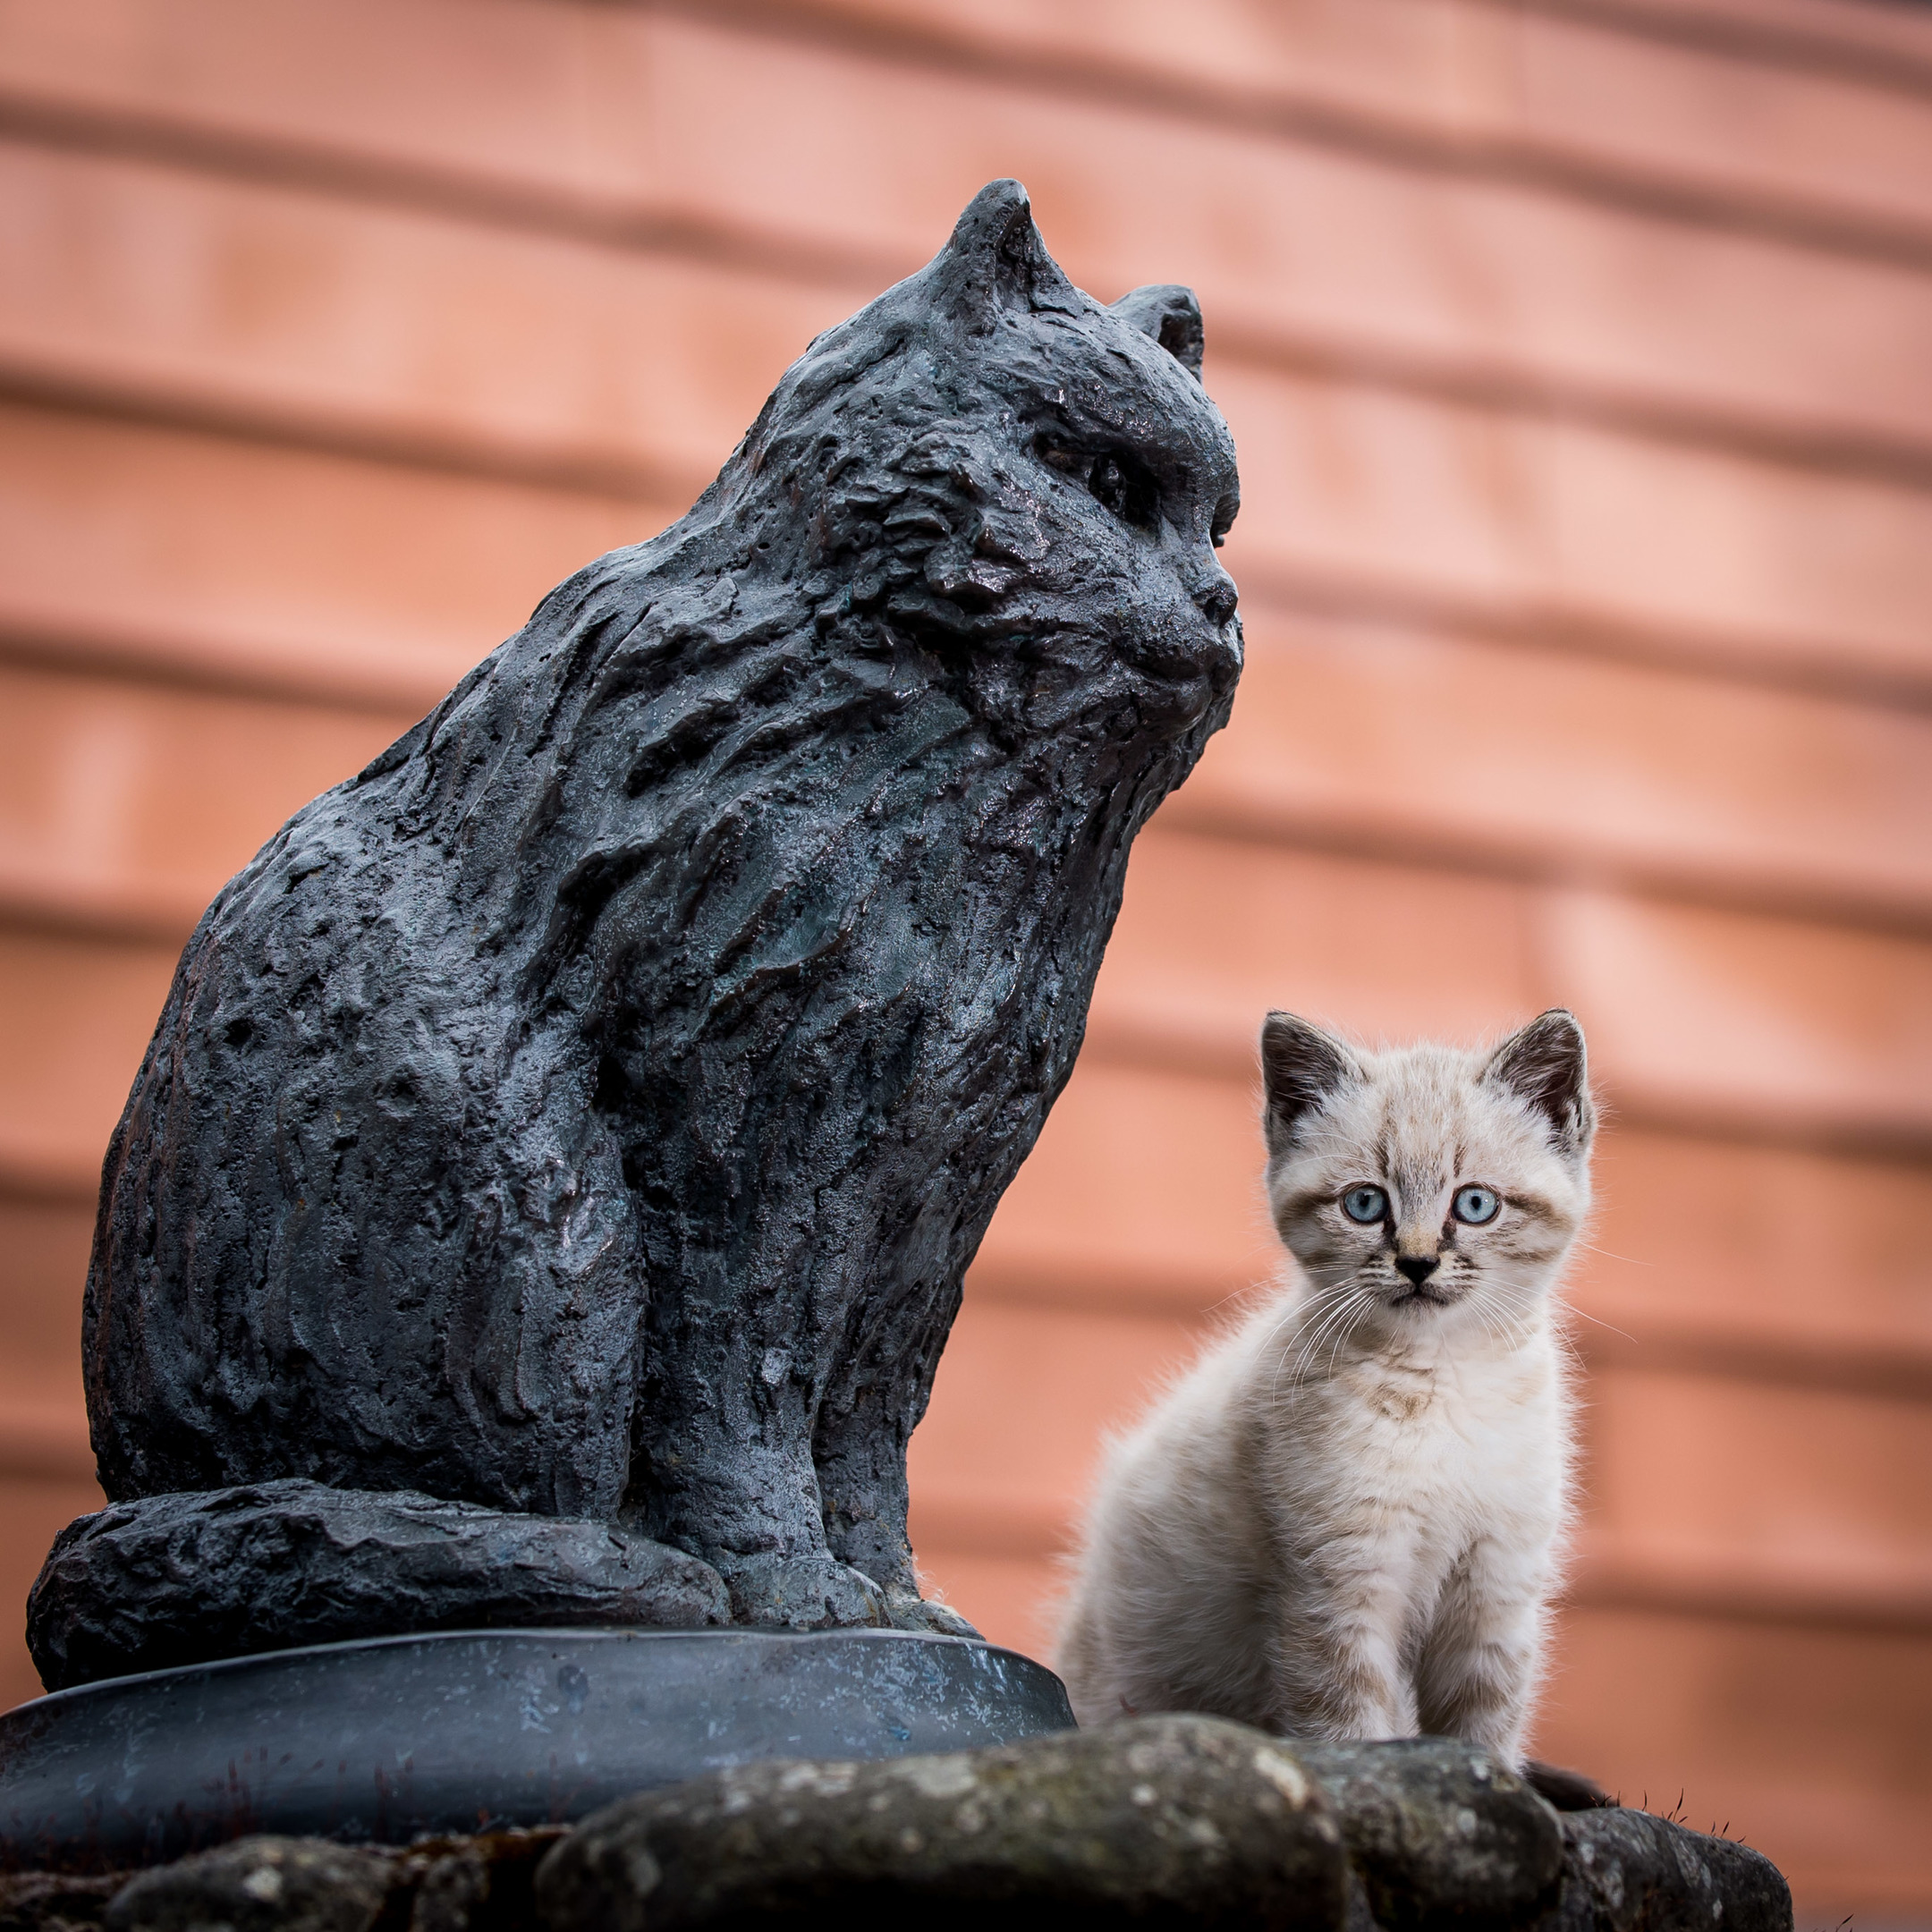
x=1376, y=1483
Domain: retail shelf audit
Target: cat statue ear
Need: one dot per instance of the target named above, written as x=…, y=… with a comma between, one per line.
x=997, y=262
x=1300, y=1066
x=1170, y=316
x=1546, y=1063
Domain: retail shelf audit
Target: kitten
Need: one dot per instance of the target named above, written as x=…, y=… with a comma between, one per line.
x=1345, y=1522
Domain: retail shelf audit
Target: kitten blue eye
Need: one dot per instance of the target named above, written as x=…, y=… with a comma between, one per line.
x=1476, y=1205
x=1365, y=1204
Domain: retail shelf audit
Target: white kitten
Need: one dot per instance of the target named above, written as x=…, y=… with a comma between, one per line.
x=1346, y=1521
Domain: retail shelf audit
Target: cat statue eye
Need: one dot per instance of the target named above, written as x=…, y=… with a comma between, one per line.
x=1365, y=1204
x=1476, y=1205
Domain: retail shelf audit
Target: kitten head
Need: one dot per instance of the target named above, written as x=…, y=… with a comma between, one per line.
x=1436, y=1185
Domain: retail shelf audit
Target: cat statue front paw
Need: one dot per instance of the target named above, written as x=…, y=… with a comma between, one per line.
x=926, y=1615
x=801, y=1593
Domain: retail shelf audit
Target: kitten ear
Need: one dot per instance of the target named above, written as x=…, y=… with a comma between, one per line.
x=996, y=261
x=1170, y=316
x=1546, y=1065
x=1300, y=1067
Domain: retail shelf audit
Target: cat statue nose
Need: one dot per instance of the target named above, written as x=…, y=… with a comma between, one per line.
x=1214, y=591
x=1418, y=1268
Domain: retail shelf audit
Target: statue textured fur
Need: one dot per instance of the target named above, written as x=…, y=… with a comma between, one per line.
x=588, y=1111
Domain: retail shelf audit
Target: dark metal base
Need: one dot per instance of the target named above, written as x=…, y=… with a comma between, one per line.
x=391, y=1739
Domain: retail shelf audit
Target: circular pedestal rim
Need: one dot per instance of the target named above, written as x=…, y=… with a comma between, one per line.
x=541, y=1633
x=385, y=1739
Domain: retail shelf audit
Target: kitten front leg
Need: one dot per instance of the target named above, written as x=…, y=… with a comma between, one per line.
x=1340, y=1661
x=1483, y=1654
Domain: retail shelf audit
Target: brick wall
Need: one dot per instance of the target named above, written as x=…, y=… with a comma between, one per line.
x=1576, y=351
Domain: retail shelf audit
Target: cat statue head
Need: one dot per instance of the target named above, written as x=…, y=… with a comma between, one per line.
x=1426, y=1188
x=1004, y=473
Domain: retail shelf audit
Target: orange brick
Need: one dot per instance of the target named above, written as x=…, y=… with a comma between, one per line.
x=43, y=1267
x=75, y=1018
x=1214, y=932
x=1812, y=1249
x=1768, y=1023
x=274, y=559
x=138, y=792
x=1461, y=749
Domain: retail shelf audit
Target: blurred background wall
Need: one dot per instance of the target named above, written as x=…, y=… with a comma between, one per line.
x=1580, y=354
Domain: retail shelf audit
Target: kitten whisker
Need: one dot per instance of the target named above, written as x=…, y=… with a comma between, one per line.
x=1572, y=1309
x=1307, y=1339
x=1633, y=1260
x=1357, y=1301
x=1335, y=1329
x=1497, y=1329
x=1572, y=1350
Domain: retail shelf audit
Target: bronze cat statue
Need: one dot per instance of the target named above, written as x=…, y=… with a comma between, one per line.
x=548, y=1191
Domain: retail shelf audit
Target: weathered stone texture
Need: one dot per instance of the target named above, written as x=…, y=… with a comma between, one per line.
x=260, y=1885
x=1628, y=1871
x=1170, y=1820
x=477, y=1884
x=1440, y=1832
x=56, y=1902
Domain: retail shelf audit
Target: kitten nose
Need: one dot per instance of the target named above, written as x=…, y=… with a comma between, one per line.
x=1418, y=1268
